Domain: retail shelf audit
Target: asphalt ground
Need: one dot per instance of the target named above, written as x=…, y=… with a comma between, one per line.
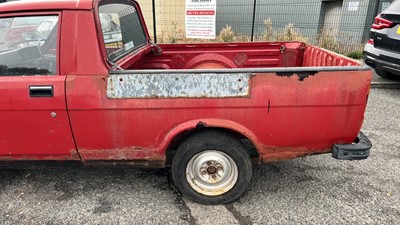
x=310, y=190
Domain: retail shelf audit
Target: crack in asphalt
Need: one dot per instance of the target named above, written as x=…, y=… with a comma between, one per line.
x=188, y=217
x=243, y=220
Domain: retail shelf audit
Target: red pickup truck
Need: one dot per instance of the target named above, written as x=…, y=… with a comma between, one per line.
x=95, y=89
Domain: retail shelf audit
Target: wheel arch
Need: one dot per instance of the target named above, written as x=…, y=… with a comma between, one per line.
x=210, y=60
x=183, y=131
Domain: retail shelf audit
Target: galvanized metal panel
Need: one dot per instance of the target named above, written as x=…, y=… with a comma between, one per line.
x=202, y=85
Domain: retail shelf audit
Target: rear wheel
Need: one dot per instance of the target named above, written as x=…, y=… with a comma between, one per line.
x=211, y=168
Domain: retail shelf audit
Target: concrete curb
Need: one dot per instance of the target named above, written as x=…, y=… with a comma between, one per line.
x=386, y=85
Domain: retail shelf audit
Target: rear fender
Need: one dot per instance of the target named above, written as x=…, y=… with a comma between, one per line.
x=209, y=123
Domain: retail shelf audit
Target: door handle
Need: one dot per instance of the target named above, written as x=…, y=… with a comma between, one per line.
x=41, y=91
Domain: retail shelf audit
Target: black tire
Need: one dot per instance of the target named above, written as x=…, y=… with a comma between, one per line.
x=386, y=75
x=220, y=144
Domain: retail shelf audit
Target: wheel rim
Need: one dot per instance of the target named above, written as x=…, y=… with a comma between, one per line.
x=212, y=173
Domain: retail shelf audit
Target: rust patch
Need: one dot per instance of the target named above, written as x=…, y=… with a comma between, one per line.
x=99, y=82
x=301, y=76
x=38, y=158
x=121, y=154
x=201, y=124
x=132, y=157
x=70, y=82
x=74, y=154
x=128, y=163
x=272, y=154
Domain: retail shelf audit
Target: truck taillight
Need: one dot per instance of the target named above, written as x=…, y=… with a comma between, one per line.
x=370, y=41
x=380, y=23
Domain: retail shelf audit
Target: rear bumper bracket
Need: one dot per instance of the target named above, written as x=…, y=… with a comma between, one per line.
x=356, y=151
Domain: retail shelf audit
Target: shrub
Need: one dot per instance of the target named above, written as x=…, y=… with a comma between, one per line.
x=172, y=34
x=226, y=35
x=355, y=54
x=326, y=38
x=290, y=33
x=269, y=34
x=327, y=41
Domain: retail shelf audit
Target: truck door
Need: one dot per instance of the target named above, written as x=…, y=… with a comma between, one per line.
x=34, y=123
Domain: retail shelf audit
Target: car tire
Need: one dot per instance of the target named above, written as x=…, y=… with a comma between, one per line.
x=385, y=74
x=211, y=167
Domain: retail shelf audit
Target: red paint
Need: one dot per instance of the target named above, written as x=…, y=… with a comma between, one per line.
x=27, y=128
x=200, y=12
x=283, y=116
x=225, y=55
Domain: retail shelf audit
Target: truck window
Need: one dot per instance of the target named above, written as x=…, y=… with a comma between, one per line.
x=28, y=45
x=122, y=29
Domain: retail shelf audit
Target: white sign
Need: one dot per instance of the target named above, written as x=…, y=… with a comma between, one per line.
x=200, y=18
x=353, y=6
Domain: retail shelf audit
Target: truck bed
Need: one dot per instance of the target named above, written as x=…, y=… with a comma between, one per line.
x=238, y=55
x=295, y=99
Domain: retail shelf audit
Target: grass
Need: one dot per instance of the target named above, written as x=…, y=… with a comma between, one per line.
x=357, y=54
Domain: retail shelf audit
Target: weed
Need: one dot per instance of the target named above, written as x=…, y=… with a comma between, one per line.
x=327, y=41
x=355, y=54
x=226, y=35
x=290, y=33
x=269, y=34
x=172, y=34
x=326, y=38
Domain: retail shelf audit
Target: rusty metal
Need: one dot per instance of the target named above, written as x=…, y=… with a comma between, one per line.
x=205, y=85
x=127, y=163
x=212, y=173
x=272, y=154
x=121, y=154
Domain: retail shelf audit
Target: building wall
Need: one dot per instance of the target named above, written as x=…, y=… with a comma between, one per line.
x=353, y=23
x=304, y=15
x=235, y=13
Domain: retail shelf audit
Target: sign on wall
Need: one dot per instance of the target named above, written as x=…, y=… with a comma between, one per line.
x=200, y=18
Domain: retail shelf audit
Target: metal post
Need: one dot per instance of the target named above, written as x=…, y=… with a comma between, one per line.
x=378, y=2
x=254, y=20
x=154, y=21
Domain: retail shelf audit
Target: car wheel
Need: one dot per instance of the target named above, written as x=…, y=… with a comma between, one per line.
x=211, y=168
x=385, y=74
